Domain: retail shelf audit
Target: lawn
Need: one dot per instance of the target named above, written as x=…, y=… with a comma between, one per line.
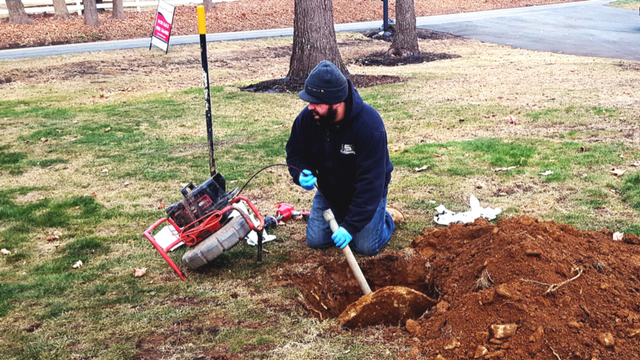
x=95, y=146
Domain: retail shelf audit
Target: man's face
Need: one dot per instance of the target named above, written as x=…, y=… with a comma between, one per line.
x=324, y=113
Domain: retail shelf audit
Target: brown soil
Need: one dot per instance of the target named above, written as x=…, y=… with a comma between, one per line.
x=484, y=274
x=328, y=286
x=239, y=15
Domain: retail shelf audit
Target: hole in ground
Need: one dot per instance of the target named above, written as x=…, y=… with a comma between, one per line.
x=328, y=285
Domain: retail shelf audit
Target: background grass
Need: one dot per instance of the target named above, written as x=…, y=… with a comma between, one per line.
x=98, y=172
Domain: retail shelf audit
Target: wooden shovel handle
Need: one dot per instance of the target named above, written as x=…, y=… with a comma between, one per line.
x=351, y=260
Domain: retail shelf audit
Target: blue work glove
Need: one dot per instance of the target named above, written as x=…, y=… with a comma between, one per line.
x=307, y=180
x=341, y=237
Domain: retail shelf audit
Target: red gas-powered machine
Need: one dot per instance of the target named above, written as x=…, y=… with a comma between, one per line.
x=208, y=219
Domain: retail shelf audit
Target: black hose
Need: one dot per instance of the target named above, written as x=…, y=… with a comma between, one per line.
x=267, y=167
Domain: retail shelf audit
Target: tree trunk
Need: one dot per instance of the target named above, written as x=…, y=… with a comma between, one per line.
x=17, y=15
x=405, y=39
x=60, y=8
x=208, y=5
x=314, y=38
x=91, y=13
x=118, y=12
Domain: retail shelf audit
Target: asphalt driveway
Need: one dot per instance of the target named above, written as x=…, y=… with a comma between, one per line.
x=588, y=28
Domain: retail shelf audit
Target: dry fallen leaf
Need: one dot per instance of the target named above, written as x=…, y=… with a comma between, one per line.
x=548, y=172
x=77, y=265
x=5, y=252
x=618, y=236
x=139, y=272
x=423, y=168
x=617, y=172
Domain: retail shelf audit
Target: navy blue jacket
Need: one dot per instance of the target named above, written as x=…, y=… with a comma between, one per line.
x=350, y=159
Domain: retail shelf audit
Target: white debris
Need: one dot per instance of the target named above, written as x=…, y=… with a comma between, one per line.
x=505, y=168
x=446, y=217
x=546, y=173
x=77, y=265
x=618, y=236
x=252, y=238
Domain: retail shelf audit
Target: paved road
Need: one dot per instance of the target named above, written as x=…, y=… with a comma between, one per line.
x=582, y=28
x=590, y=29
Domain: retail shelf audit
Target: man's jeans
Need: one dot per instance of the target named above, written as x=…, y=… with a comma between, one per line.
x=369, y=241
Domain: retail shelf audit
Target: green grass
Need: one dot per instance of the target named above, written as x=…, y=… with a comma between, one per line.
x=626, y=4
x=471, y=157
x=232, y=307
x=631, y=190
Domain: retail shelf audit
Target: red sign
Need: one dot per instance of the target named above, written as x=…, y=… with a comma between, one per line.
x=162, y=28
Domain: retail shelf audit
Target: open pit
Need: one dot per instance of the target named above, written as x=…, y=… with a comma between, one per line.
x=518, y=289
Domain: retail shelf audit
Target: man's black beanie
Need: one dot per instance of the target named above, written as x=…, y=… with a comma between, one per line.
x=325, y=85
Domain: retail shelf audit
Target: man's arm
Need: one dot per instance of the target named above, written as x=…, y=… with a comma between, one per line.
x=299, y=150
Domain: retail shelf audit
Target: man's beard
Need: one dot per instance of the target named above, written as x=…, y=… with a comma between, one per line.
x=330, y=117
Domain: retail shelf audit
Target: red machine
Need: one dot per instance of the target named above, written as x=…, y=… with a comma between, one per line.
x=222, y=238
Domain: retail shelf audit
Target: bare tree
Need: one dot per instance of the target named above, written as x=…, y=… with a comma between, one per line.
x=91, y=13
x=118, y=11
x=314, y=38
x=208, y=5
x=405, y=39
x=17, y=15
x=60, y=8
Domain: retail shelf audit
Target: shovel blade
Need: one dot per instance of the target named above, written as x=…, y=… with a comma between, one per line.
x=391, y=305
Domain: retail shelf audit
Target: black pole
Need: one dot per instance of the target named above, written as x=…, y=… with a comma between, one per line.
x=205, y=78
x=385, y=15
x=259, y=246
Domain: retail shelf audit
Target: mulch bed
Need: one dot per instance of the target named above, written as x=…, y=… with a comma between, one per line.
x=292, y=86
x=381, y=59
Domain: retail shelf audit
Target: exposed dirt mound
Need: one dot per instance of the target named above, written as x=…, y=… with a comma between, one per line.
x=491, y=275
x=520, y=289
x=290, y=86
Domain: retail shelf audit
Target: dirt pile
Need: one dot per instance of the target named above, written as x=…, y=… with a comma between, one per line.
x=495, y=285
x=519, y=289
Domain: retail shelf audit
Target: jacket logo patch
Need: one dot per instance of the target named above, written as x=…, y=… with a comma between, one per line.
x=347, y=149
